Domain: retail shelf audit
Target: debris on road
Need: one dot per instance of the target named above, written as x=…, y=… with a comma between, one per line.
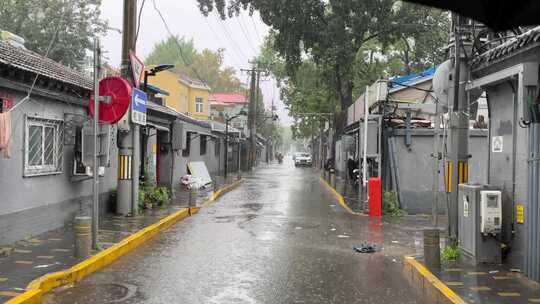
x=365, y=248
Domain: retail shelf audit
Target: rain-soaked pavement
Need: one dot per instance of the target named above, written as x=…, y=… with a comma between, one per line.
x=278, y=238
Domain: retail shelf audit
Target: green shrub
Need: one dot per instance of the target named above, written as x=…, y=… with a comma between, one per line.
x=450, y=254
x=142, y=198
x=390, y=205
x=158, y=196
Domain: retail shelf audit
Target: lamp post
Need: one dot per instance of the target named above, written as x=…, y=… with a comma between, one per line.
x=241, y=113
x=153, y=71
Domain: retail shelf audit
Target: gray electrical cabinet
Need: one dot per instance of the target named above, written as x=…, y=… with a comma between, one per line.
x=479, y=223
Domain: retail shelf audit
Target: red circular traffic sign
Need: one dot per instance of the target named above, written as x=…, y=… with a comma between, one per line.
x=118, y=92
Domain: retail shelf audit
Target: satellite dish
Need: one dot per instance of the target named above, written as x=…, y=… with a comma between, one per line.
x=117, y=92
x=441, y=81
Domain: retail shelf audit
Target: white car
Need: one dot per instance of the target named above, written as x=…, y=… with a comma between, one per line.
x=302, y=159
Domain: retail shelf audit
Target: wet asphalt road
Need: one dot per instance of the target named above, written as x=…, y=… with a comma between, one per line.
x=280, y=237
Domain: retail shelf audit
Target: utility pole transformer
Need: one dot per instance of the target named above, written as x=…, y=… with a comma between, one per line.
x=127, y=193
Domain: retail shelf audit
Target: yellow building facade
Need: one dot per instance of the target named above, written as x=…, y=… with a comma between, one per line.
x=186, y=95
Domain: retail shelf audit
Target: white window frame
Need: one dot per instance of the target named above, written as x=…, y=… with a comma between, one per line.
x=199, y=102
x=56, y=167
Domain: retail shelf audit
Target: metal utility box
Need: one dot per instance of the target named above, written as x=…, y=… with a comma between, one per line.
x=478, y=235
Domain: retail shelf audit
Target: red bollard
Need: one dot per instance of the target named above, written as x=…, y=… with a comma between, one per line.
x=375, y=196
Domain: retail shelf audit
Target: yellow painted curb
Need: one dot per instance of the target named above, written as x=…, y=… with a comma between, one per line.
x=40, y=286
x=430, y=280
x=340, y=197
x=222, y=192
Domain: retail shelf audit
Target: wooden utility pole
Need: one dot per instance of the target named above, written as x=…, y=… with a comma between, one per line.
x=128, y=35
x=127, y=192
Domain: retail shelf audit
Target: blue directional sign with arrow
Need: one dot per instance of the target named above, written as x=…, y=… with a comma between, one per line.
x=138, y=107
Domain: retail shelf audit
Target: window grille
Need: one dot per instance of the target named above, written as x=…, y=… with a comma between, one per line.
x=43, y=146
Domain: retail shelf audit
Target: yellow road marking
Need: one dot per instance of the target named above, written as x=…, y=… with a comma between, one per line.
x=9, y=293
x=508, y=294
x=502, y=278
x=534, y=300
x=454, y=283
x=3, y=279
x=480, y=288
x=45, y=257
x=55, y=240
x=22, y=251
x=476, y=273
x=453, y=270
x=60, y=250
x=24, y=262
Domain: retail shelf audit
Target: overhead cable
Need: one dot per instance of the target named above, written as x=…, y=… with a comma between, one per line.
x=181, y=51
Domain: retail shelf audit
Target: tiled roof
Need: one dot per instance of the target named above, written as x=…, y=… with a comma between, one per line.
x=228, y=98
x=159, y=108
x=32, y=62
x=508, y=47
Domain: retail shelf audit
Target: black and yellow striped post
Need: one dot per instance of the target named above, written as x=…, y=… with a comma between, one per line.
x=448, y=176
x=124, y=167
x=125, y=179
x=462, y=177
x=463, y=172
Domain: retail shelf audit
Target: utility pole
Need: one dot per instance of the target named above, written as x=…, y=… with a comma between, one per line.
x=255, y=107
x=459, y=127
x=436, y=165
x=127, y=191
x=252, y=115
x=95, y=160
x=252, y=119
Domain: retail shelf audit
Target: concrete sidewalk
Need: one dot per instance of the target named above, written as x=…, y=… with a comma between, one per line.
x=53, y=251
x=488, y=283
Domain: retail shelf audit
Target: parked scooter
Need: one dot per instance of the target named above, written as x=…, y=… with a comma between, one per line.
x=356, y=177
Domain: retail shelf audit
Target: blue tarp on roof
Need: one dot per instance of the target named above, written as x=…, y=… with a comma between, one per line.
x=410, y=79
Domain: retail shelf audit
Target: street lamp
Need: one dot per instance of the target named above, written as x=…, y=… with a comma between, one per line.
x=241, y=113
x=153, y=71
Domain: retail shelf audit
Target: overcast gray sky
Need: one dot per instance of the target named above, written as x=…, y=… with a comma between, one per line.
x=240, y=37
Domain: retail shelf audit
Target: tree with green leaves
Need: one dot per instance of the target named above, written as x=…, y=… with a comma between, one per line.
x=207, y=64
x=68, y=26
x=326, y=52
x=350, y=42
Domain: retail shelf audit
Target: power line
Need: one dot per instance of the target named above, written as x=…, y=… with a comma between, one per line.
x=219, y=38
x=181, y=52
x=27, y=97
x=229, y=36
x=246, y=34
x=139, y=22
x=256, y=30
